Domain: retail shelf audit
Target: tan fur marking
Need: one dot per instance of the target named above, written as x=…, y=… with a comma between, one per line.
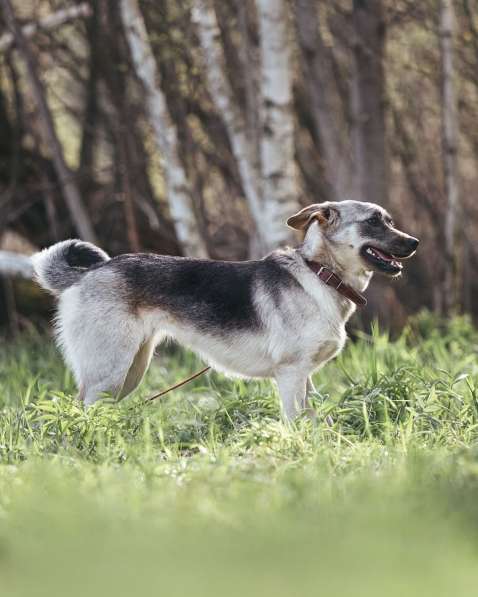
x=138, y=368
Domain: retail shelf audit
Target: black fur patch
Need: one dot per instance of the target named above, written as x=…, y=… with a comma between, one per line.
x=214, y=296
x=393, y=241
x=80, y=255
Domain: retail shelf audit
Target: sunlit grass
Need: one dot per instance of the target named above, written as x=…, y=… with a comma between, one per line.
x=206, y=492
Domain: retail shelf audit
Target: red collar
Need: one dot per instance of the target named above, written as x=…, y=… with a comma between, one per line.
x=331, y=279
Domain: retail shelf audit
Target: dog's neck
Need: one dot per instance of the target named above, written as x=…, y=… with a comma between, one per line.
x=358, y=277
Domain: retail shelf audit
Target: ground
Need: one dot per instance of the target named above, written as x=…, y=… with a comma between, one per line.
x=207, y=492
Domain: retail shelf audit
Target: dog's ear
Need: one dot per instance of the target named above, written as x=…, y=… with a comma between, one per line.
x=323, y=213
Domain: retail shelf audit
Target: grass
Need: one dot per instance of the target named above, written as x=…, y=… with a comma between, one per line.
x=207, y=492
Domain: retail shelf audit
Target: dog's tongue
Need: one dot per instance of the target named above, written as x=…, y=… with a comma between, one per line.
x=383, y=256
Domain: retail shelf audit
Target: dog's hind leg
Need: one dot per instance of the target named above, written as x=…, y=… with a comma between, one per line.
x=138, y=368
x=99, y=340
x=109, y=375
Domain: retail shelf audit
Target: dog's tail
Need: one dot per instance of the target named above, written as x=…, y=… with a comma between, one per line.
x=63, y=264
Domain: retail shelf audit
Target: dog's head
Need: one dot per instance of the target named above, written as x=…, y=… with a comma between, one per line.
x=358, y=235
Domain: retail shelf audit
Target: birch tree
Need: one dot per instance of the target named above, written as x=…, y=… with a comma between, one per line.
x=279, y=185
x=73, y=200
x=220, y=89
x=368, y=102
x=250, y=72
x=324, y=98
x=177, y=184
x=452, y=283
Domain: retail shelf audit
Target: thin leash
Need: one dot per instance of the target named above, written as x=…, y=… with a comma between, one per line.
x=178, y=385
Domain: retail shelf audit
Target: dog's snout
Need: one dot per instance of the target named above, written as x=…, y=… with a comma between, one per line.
x=404, y=246
x=408, y=246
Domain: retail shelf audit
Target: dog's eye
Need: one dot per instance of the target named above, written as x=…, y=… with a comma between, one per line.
x=375, y=220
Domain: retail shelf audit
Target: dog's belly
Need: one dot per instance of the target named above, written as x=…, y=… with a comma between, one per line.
x=240, y=354
x=256, y=354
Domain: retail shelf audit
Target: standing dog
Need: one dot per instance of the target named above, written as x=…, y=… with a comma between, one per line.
x=283, y=316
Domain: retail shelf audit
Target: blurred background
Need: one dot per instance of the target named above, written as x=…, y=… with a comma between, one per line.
x=196, y=127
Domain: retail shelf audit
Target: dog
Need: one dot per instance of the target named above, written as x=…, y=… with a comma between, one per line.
x=281, y=317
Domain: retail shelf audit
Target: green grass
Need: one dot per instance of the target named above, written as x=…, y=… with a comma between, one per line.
x=206, y=492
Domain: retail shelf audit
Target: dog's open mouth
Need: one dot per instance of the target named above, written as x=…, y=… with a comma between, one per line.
x=382, y=261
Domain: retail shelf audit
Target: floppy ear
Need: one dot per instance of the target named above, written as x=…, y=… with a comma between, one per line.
x=317, y=211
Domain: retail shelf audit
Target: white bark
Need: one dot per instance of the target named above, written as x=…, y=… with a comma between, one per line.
x=73, y=200
x=450, y=153
x=177, y=184
x=15, y=264
x=221, y=91
x=279, y=185
x=325, y=100
x=52, y=21
x=250, y=65
x=368, y=102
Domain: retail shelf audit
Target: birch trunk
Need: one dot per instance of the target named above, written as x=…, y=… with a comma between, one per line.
x=74, y=203
x=279, y=186
x=368, y=102
x=325, y=100
x=452, y=283
x=177, y=184
x=221, y=92
x=250, y=65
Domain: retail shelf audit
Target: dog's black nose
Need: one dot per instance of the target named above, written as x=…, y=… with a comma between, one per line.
x=413, y=243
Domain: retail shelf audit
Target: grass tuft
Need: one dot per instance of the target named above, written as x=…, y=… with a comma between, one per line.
x=206, y=491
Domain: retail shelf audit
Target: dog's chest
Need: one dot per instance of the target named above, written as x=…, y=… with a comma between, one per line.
x=321, y=342
x=314, y=332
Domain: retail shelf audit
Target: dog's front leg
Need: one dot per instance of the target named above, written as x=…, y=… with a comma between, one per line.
x=291, y=383
x=310, y=411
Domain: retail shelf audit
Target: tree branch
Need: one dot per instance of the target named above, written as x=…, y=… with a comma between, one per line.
x=48, y=23
x=15, y=264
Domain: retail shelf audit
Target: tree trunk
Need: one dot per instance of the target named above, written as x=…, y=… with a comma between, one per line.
x=91, y=111
x=229, y=110
x=279, y=185
x=325, y=100
x=177, y=184
x=250, y=70
x=452, y=282
x=368, y=102
x=72, y=196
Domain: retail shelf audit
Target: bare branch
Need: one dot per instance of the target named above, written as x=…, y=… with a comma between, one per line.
x=15, y=264
x=48, y=23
